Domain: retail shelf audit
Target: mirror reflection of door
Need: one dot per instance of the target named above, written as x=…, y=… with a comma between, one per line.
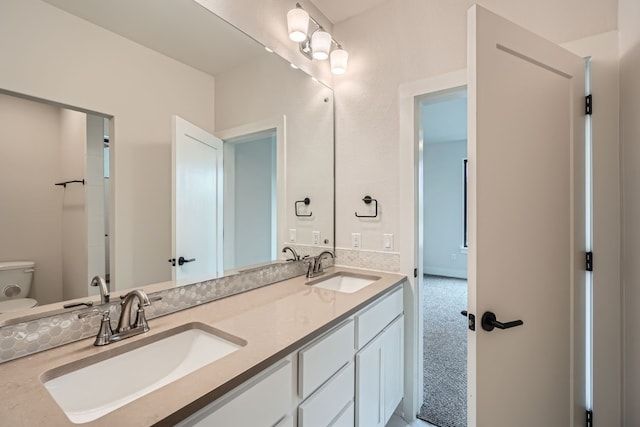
x=250, y=173
x=197, y=203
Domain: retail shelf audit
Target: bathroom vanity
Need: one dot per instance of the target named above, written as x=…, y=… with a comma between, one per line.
x=305, y=356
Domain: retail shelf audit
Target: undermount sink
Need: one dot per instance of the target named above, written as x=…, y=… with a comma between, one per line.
x=343, y=281
x=93, y=387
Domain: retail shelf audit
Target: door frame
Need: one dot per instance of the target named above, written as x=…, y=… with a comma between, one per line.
x=279, y=124
x=410, y=265
x=409, y=94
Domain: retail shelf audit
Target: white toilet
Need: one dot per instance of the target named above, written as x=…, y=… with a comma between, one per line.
x=15, y=284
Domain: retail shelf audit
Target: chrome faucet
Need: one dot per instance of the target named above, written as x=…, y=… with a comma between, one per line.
x=296, y=257
x=104, y=291
x=124, y=323
x=126, y=328
x=315, y=264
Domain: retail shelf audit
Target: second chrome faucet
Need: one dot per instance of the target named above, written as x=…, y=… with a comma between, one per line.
x=126, y=326
x=315, y=263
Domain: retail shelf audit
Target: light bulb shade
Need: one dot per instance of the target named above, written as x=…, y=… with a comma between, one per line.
x=321, y=44
x=298, y=24
x=339, y=59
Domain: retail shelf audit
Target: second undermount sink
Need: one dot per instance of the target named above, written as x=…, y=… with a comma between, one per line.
x=95, y=386
x=343, y=281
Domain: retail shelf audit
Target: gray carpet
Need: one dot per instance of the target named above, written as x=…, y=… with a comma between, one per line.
x=445, y=352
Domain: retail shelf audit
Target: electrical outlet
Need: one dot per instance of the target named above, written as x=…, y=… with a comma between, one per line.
x=387, y=242
x=355, y=240
x=315, y=237
x=292, y=235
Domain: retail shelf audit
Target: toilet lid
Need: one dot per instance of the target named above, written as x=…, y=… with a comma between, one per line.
x=17, y=304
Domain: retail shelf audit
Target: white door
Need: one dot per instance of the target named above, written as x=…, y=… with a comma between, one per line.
x=526, y=211
x=197, y=203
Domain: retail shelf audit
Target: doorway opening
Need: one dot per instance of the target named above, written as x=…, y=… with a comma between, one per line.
x=251, y=199
x=443, y=239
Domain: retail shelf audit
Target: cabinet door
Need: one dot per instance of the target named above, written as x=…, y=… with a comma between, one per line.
x=380, y=376
x=369, y=385
x=393, y=369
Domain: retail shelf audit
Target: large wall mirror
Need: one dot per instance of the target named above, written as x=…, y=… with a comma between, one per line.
x=91, y=90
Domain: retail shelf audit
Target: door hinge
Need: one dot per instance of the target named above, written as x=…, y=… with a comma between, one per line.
x=589, y=418
x=589, y=261
x=588, y=105
x=415, y=272
x=471, y=319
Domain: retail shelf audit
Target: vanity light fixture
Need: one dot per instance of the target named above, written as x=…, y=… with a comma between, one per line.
x=318, y=44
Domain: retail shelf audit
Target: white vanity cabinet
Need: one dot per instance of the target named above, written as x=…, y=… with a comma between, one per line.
x=263, y=401
x=380, y=361
x=352, y=375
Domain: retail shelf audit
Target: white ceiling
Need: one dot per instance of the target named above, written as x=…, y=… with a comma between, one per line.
x=339, y=10
x=182, y=30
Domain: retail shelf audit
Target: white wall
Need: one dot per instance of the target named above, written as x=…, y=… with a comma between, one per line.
x=31, y=213
x=70, y=61
x=444, y=209
x=630, y=153
x=243, y=99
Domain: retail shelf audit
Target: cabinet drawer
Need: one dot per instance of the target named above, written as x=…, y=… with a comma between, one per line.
x=375, y=318
x=326, y=404
x=268, y=394
x=318, y=361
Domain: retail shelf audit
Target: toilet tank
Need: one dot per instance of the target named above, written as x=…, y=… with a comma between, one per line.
x=15, y=279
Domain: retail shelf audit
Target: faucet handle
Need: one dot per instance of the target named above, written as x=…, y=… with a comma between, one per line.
x=105, y=332
x=141, y=320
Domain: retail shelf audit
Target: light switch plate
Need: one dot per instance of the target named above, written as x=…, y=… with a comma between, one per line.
x=292, y=235
x=355, y=240
x=387, y=242
x=315, y=237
